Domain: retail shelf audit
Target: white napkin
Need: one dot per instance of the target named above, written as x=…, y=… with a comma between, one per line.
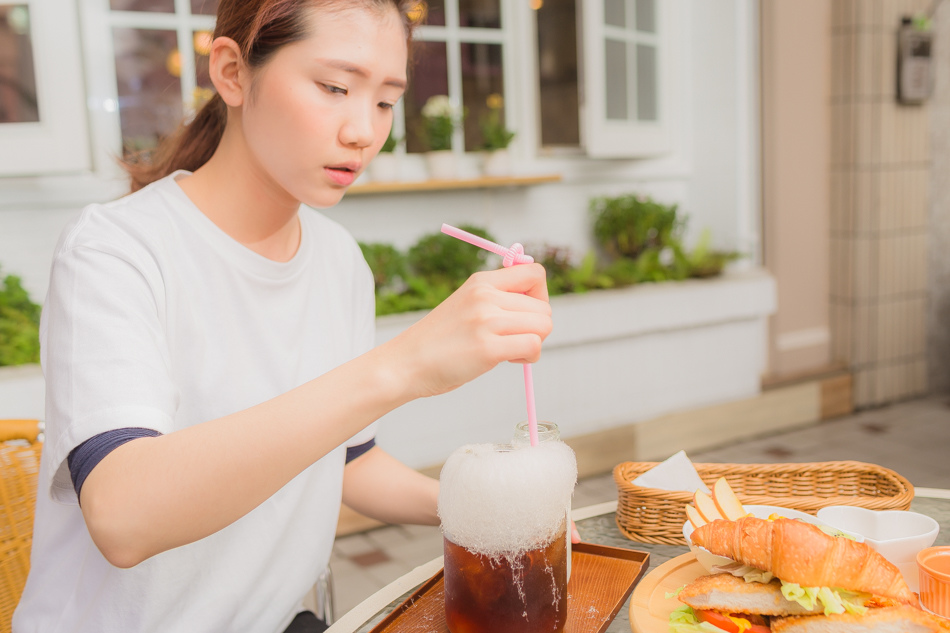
x=676, y=473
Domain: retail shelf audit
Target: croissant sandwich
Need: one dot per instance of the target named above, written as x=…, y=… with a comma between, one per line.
x=791, y=577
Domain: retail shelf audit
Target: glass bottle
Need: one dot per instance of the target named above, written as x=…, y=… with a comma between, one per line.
x=547, y=432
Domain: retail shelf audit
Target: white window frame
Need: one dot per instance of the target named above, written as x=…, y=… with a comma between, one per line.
x=59, y=142
x=98, y=20
x=454, y=36
x=605, y=138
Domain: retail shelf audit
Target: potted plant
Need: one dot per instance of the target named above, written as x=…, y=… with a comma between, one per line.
x=644, y=240
x=385, y=167
x=495, y=139
x=439, y=121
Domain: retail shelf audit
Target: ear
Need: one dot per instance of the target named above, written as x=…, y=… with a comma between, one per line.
x=228, y=71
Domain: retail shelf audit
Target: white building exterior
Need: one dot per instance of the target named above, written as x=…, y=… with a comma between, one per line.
x=710, y=170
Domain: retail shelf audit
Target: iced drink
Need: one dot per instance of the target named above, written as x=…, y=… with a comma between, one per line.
x=502, y=511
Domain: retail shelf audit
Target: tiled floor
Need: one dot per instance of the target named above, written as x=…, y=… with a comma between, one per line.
x=912, y=438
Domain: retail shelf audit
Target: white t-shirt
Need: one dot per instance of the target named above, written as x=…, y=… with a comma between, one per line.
x=156, y=318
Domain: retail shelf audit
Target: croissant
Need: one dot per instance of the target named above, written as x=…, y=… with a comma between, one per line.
x=801, y=553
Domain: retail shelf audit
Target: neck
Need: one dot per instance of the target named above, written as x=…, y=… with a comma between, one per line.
x=244, y=202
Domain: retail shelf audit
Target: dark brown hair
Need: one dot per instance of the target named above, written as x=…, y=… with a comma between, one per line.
x=260, y=28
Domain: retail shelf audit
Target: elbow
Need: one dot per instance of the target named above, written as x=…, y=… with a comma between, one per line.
x=123, y=558
x=113, y=533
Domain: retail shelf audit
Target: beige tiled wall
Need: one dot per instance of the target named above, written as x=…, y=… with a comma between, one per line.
x=881, y=168
x=938, y=342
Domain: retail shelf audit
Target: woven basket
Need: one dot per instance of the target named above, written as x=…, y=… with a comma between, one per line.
x=650, y=515
x=19, y=466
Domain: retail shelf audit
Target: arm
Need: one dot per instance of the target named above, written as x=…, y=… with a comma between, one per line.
x=154, y=494
x=383, y=488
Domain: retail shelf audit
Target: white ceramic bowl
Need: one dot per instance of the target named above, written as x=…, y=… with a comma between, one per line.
x=897, y=534
x=709, y=560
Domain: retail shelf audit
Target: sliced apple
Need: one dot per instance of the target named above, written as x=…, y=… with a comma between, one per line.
x=706, y=506
x=693, y=515
x=726, y=500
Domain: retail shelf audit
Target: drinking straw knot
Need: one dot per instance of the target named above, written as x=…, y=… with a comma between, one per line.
x=515, y=255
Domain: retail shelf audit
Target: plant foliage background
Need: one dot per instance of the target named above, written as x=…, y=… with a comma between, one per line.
x=639, y=241
x=19, y=324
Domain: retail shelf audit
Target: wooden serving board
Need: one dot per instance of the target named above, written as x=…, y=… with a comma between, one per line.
x=649, y=607
x=601, y=579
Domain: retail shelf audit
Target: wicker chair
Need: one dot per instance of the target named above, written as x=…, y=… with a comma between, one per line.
x=19, y=466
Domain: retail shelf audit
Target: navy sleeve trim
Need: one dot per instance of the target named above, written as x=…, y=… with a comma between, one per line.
x=352, y=452
x=82, y=459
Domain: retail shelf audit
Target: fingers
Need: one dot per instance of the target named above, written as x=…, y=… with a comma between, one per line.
x=508, y=323
x=514, y=302
x=518, y=348
x=529, y=279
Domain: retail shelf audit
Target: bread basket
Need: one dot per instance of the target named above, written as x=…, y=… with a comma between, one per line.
x=651, y=515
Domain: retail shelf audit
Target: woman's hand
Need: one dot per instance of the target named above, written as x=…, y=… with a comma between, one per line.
x=499, y=315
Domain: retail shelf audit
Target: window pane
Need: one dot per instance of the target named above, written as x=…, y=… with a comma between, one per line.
x=480, y=13
x=162, y=6
x=435, y=13
x=646, y=16
x=557, y=73
x=147, y=66
x=18, y=102
x=615, y=12
x=615, y=68
x=429, y=77
x=204, y=7
x=646, y=83
x=481, y=78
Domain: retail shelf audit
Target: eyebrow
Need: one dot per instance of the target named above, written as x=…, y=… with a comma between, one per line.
x=359, y=70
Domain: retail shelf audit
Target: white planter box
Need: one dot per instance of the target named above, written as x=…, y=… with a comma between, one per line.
x=615, y=357
x=22, y=392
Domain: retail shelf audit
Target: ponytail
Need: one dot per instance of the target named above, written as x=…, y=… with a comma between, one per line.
x=188, y=148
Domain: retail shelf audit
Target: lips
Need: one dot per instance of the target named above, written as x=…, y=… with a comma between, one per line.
x=343, y=174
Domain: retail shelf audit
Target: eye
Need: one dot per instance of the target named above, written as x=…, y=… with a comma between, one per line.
x=386, y=106
x=336, y=90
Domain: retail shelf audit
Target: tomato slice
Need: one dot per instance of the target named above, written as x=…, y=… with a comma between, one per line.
x=721, y=621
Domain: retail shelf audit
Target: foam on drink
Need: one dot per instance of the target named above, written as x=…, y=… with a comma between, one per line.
x=503, y=519
x=502, y=503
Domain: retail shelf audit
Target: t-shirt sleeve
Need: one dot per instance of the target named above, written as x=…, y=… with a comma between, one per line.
x=105, y=358
x=364, y=331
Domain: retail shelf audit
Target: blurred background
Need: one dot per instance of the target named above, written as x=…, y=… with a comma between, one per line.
x=744, y=206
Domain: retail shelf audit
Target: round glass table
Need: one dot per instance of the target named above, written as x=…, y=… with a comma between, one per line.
x=596, y=524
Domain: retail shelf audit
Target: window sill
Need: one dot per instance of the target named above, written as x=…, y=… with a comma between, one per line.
x=484, y=182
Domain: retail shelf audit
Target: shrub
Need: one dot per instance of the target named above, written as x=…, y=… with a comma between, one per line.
x=446, y=260
x=640, y=238
x=626, y=226
x=19, y=324
x=386, y=262
x=433, y=269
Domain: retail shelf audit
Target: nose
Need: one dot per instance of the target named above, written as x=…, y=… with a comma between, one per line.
x=357, y=130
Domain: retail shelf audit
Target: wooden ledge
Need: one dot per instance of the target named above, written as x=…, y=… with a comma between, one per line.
x=450, y=185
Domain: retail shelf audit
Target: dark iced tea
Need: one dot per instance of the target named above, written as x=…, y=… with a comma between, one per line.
x=526, y=594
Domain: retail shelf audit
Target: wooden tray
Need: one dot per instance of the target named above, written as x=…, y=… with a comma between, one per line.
x=649, y=607
x=601, y=579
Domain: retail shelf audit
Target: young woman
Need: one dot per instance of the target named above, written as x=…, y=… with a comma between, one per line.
x=208, y=345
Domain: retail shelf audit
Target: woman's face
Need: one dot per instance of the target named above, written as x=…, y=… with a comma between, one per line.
x=321, y=108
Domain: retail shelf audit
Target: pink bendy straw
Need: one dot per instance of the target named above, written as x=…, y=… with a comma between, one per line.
x=510, y=257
